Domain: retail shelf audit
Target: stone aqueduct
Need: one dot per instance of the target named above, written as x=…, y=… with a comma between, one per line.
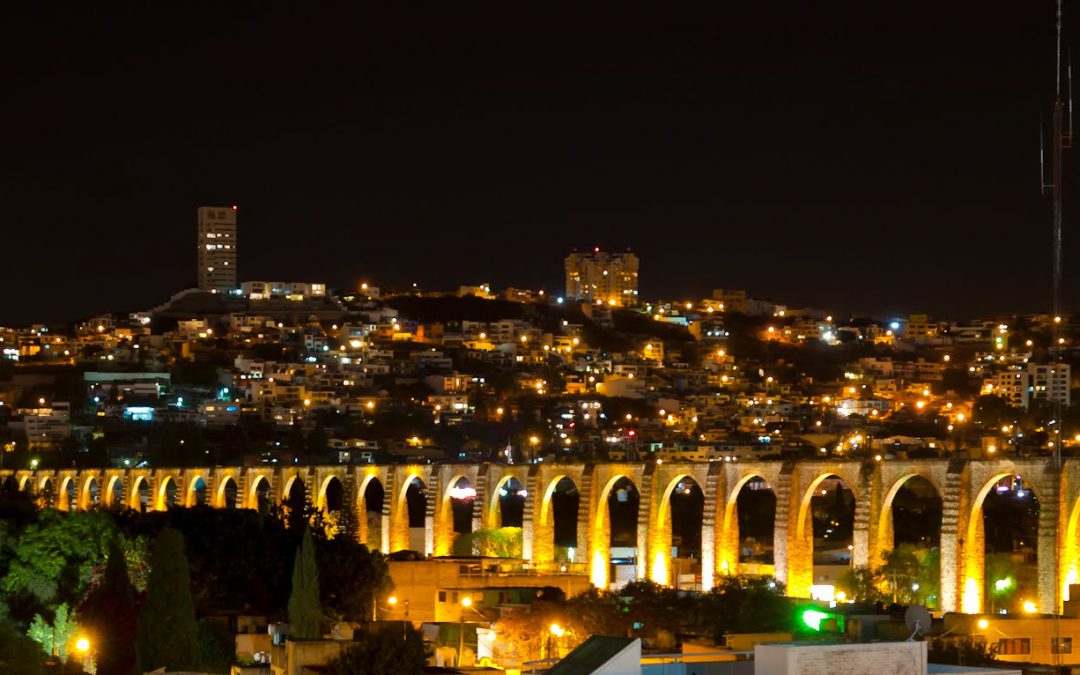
x=962, y=486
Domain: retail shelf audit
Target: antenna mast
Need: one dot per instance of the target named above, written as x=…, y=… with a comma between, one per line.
x=1061, y=139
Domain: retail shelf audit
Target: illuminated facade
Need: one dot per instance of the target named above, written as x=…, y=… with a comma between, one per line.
x=598, y=277
x=963, y=487
x=216, y=245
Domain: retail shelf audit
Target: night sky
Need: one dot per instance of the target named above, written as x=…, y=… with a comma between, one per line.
x=856, y=156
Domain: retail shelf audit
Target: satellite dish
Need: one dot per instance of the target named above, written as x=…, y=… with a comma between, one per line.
x=918, y=620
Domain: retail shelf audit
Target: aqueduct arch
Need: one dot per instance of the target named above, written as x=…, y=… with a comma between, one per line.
x=445, y=533
x=196, y=492
x=800, y=538
x=167, y=493
x=600, y=532
x=259, y=493
x=875, y=485
x=372, y=537
x=884, y=538
x=728, y=534
x=90, y=494
x=973, y=572
x=225, y=497
x=66, y=498
x=412, y=478
x=543, y=534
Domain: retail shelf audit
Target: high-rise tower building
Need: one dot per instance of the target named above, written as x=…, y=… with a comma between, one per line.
x=598, y=277
x=217, y=248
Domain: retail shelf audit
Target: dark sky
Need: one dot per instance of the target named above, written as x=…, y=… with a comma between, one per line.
x=856, y=156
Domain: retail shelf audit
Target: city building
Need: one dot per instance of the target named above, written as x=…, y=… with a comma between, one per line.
x=1050, y=382
x=607, y=278
x=216, y=245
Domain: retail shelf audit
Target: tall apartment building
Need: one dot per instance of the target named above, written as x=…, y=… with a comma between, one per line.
x=1050, y=382
x=608, y=278
x=217, y=248
x=1021, y=386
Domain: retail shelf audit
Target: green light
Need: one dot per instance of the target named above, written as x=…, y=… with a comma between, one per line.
x=813, y=618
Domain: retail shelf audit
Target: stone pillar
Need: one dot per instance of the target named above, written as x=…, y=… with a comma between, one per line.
x=782, y=525
x=860, y=536
x=879, y=518
x=1050, y=511
x=709, y=519
x=397, y=532
x=430, y=504
x=532, y=498
x=950, y=544
x=594, y=531
x=653, y=560
x=970, y=548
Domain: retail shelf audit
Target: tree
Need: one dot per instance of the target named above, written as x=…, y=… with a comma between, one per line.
x=503, y=542
x=55, y=637
x=305, y=611
x=350, y=578
x=861, y=584
x=386, y=650
x=744, y=604
x=166, y=629
x=54, y=557
x=18, y=653
x=109, y=613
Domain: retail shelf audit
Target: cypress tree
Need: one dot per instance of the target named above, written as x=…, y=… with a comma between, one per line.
x=109, y=612
x=304, y=608
x=166, y=630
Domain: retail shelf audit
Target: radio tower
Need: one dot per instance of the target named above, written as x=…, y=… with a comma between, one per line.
x=1061, y=139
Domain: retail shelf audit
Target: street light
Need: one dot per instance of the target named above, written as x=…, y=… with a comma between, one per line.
x=554, y=631
x=466, y=603
x=82, y=648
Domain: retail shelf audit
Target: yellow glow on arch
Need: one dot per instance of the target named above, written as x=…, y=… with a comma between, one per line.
x=598, y=573
x=970, y=602
x=659, y=569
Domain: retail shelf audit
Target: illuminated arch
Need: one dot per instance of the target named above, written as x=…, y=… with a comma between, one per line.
x=493, y=514
x=600, y=533
x=331, y=516
x=22, y=482
x=884, y=540
x=727, y=558
x=322, y=502
x=137, y=486
x=67, y=494
x=444, y=534
x=86, y=494
x=46, y=492
x=800, y=550
x=192, y=496
x=373, y=540
x=111, y=498
x=221, y=498
x=973, y=578
x=252, y=501
x=659, y=549
x=163, y=502
x=399, y=512
x=544, y=524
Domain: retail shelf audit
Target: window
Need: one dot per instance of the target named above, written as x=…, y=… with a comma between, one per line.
x=1010, y=646
x=1061, y=645
x=442, y=596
